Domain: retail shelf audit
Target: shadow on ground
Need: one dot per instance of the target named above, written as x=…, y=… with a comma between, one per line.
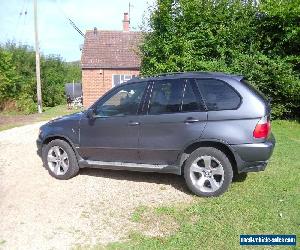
x=175, y=181
x=168, y=179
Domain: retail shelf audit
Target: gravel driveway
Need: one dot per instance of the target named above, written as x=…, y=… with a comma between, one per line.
x=40, y=212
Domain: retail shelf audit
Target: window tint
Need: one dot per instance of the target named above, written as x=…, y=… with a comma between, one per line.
x=124, y=102
x=218, y=95
x=190, y=102
x=166, y=96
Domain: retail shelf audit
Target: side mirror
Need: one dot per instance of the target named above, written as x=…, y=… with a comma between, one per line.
x=90, y=113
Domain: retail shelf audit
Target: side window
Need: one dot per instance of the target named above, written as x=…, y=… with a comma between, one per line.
x=190, y=101
x=218, y=95
x=166, y=97
x=124, y=102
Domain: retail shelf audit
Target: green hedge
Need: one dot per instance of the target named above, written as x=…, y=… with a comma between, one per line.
x=260, y=42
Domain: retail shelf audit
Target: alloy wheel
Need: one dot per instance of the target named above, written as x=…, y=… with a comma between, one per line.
x=207, y=174
x=58, y=160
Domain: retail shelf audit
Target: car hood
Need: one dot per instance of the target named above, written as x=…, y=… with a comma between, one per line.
x=71, y=117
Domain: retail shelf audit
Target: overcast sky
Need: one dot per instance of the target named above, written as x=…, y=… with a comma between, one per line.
x=56, y=35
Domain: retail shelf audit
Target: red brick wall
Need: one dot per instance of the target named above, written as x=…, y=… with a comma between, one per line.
x=96, y=82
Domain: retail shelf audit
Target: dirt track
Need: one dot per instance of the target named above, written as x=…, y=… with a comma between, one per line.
x=40, y=212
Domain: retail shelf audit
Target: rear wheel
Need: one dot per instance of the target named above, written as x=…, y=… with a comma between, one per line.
x=208, y=172
x=60, y=160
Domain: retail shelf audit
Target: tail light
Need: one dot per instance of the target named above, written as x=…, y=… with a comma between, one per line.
x=263, y=128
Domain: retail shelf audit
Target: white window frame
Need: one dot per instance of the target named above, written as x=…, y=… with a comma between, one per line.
x=120, y=75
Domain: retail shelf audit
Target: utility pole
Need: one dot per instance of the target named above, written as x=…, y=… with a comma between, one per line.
x=37, y=60
x=129, y=5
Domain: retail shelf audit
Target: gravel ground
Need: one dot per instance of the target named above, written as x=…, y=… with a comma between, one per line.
x=40, y=212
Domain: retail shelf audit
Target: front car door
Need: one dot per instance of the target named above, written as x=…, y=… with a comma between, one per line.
x=174, y=118
x=112, y=135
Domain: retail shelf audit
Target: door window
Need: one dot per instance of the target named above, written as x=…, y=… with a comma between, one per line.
x=166, y=97
x=125, y=101
x=218, y=95
x=190, y=102
x=172, y=96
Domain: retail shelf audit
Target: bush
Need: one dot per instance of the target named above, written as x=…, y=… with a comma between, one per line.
x=18, y=83
x=26, y=105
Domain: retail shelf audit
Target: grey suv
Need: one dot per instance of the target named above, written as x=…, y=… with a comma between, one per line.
x=205, y=126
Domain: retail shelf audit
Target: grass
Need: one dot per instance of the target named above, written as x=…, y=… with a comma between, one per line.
x=9, y=126
x=265, y=203
x=138, y=213
x=57, y=111
x=15, y=119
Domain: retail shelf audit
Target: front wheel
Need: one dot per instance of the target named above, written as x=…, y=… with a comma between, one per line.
x=60, y=159
x=208, y=172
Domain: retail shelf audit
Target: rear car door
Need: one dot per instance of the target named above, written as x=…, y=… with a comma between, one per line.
x=175, y=116
x=112, y=135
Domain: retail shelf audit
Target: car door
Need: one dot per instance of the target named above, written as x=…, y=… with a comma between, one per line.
x=175, y=117
x=112, y=134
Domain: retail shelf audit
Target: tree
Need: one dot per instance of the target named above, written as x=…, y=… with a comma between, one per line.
x=18, y=83
x=230, y=36
x=9, y=79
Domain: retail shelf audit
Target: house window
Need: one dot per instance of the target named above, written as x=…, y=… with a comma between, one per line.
x=119, y=79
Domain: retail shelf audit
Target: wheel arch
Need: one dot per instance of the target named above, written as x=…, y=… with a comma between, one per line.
x=59, y=137
x=222, y=146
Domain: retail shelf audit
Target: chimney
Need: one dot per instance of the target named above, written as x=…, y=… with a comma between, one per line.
x=126, y=22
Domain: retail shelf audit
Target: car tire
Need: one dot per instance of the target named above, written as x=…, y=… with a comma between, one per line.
x=208, y=172
x=60, y=160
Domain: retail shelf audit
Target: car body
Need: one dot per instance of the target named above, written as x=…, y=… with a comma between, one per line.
x=156, y=124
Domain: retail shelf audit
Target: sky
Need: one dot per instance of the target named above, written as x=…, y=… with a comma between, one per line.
x=56, y=35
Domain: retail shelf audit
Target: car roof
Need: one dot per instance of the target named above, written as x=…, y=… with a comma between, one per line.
x=178, y=75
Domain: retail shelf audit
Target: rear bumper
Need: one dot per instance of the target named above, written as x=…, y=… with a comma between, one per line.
x=245, y=167
x=254, y=157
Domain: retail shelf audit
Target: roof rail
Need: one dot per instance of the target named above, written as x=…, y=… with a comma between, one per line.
x=187, y=72
x=169, y=73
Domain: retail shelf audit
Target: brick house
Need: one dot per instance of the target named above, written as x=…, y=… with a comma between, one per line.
x=108, y=58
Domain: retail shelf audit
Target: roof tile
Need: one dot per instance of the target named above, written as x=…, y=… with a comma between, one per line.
x=111, y=49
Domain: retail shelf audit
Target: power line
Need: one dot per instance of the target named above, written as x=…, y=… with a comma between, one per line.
x=75, y=27
x=20, y=14
x=25, y=19
x=69, y=19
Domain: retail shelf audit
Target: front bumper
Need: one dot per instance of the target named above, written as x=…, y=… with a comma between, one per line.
x=39, y=147
x=254, y=157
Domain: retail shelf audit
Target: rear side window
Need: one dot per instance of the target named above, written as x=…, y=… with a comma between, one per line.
x=218, y=95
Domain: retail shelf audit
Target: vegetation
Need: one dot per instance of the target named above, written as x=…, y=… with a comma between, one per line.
x=18, y=82
x=11, y=119
x=260, y=42
x=264, y=203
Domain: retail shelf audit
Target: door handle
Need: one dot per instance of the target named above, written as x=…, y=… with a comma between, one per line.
x=133, y=123
x=191, y=120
